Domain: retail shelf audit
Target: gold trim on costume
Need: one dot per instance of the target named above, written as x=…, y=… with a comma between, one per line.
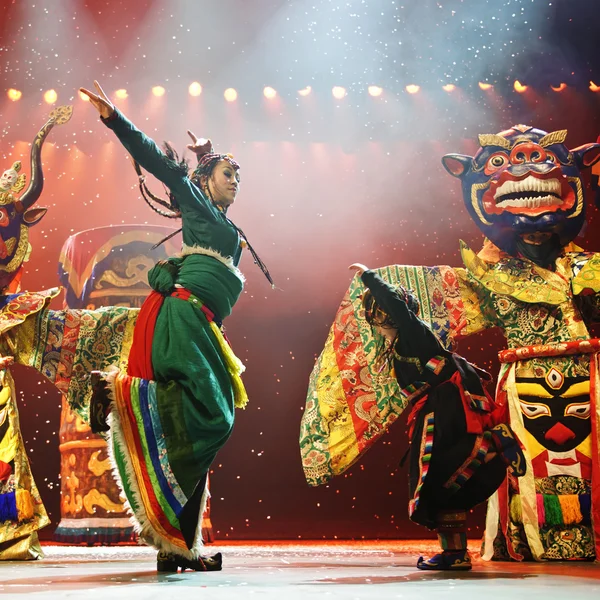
x=21, y=251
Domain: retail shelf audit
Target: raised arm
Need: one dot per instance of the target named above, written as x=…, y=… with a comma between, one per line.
x=413, y=331
x=417, y=338
x=141, y=148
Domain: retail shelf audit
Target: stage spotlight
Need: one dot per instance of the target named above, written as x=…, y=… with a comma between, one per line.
x=594, y=87
x=449, y=87
x=230, y=95
x=269, y=92
x=50, y=96
x=519, y=87
x=412, y=88
x=485, y=86
x=195, y=89
x=121, y=94
x=305, y=91
x=84, y=97
x=13, y=94
x=158, y=90
x=338, y=92
x=560, y=88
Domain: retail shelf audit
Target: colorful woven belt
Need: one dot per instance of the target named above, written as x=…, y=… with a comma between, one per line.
x=184, y=294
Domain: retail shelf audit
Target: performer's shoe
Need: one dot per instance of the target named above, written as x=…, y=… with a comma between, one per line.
x=448, y=560
x=99, y=403
x=170, y=563
x=509, y=449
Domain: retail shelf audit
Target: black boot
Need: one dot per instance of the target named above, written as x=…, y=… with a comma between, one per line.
x=170, y=563
x=99, y=402
x=448, y=560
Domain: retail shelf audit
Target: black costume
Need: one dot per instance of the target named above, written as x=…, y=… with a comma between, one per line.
x=453, y=425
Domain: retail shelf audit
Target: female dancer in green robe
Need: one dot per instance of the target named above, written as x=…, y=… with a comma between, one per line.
x=174, y=408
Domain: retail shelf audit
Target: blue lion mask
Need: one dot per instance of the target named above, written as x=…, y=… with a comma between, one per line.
x=523, y=189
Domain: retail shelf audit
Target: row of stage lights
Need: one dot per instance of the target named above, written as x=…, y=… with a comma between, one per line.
x=338, y=92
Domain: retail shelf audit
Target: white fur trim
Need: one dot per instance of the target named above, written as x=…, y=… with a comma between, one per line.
x=226, y=260
x=141, y=524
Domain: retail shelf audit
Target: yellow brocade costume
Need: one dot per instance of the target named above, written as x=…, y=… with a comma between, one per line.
x=548, y=380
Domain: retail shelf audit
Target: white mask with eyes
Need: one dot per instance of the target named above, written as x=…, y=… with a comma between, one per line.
x=8, y=179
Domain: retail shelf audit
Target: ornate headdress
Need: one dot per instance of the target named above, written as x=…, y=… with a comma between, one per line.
x=207, y=161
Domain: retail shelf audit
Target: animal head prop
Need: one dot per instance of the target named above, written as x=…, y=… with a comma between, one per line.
x=523, y=189
x=18, y=213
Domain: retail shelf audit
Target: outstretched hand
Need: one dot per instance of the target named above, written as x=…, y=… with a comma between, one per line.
x=199, y=146
x=99, y=101
x=359, y=268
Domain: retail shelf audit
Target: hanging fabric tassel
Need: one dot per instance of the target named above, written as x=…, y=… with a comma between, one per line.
x=235, y=367
x=516, y=509
x=539, y=498
x=8, y=507
x=552, y=510
x=585, y=505
x=239, y=392
x=24, y=505
x=569, y=505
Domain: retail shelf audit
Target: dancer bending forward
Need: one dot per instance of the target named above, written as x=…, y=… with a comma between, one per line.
x=460, y=446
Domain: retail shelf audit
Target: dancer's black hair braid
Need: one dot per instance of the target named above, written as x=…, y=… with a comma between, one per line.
x=257, y=260
x=205, y=169
x=180, y=165
x=150, y=198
